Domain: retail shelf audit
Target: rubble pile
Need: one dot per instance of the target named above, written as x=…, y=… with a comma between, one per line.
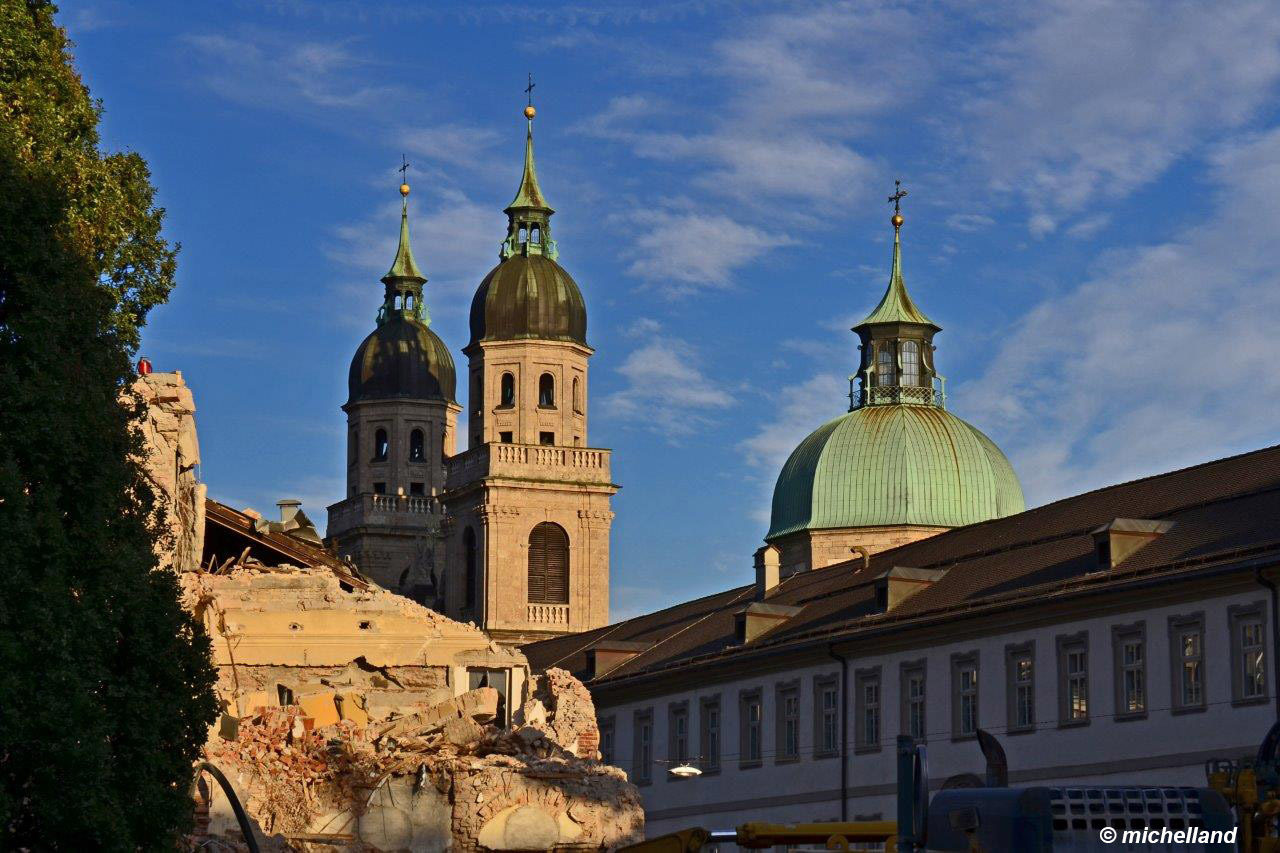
x=354, y=718
x=490, y=787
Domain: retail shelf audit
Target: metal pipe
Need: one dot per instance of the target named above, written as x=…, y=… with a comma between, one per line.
x=1275, y=634
x=844, y=732
x=246, y=827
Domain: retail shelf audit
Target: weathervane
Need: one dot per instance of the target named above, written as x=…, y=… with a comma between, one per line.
x=404, y=176
x=897, y=197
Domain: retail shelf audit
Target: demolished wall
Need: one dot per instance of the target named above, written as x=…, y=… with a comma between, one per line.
x=169, y=428
x=354, y=718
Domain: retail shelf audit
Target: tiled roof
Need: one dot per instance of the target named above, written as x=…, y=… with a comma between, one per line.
x=1226, y=512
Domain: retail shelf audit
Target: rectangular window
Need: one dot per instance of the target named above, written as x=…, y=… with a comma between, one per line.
x=379, y=488
x=751, y=728
x=1130, y=650
x=642, y=754
x=1020, y=665
x=964, y=695
x=606, y=740
x=1248, y=653
x=677, y=734
x=826, y=716
x=504, y=437
x=1186, y=671
x=417, y=490
x=547, y=438
x=709, y=734
x=866, y=704
x=1073, y=679
x=913, y=698
x=788, y=730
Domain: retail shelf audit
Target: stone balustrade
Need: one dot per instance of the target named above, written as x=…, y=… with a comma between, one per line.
x=547, y=614
x=530, y=462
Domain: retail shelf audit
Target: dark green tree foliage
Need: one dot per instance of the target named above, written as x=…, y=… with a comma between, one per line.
x=105, y=681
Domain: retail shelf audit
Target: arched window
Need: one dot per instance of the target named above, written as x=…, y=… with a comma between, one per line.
x=910, y=363
x=548, y=564
x=477, y=393
x=355, y=445
x=470, y=559
x=417, y=446
x=546, y=390
x=380, y=446
x=535, y=235
x=577, y=397
x=884, y=365
x=508, y=390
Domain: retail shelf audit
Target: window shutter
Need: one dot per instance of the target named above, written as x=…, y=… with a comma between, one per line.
x=548, y=564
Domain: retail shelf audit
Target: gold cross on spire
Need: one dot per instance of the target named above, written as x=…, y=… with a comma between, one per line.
x=529, y=111
x=404, y=176
x=897, y=197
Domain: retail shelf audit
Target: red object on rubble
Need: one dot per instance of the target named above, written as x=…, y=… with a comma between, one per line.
x=144, y=367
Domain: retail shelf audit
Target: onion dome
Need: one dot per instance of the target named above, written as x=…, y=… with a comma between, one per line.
x=528, y=294
x=898, y=457
x=402, y=358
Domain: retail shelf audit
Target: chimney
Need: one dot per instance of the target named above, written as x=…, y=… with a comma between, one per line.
x=900, y=583
x=1117, y=540
x=768, y=569
x=288, y=509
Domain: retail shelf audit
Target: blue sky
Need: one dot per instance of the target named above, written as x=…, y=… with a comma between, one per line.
x=1093, y=218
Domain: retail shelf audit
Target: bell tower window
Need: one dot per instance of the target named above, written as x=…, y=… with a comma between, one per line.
x=884, y=365
x=380, y=446
x=910, y=363
x=547, y=391
x=548, y=564
x=417, y=446
x=577, y=398
x=508, y=397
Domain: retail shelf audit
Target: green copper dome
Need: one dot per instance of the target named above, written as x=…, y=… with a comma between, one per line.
x=890, y=465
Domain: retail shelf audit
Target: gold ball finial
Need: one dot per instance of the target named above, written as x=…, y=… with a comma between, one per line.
x=404, y=189
x=897, y=221
x=530, y=112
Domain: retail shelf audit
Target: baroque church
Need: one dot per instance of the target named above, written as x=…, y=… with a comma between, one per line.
x=513, y=532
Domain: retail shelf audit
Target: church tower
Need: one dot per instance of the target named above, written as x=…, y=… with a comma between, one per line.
x=528, y=503
x=401, y=421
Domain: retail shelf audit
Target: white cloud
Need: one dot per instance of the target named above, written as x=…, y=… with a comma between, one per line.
x=452, y=239
x=683, y=252
x=1090, y=99
x=452, y=144
x=667, y=390
x=798, y=411
x=969, y=222
x=1165, y=358
x=285, y=73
